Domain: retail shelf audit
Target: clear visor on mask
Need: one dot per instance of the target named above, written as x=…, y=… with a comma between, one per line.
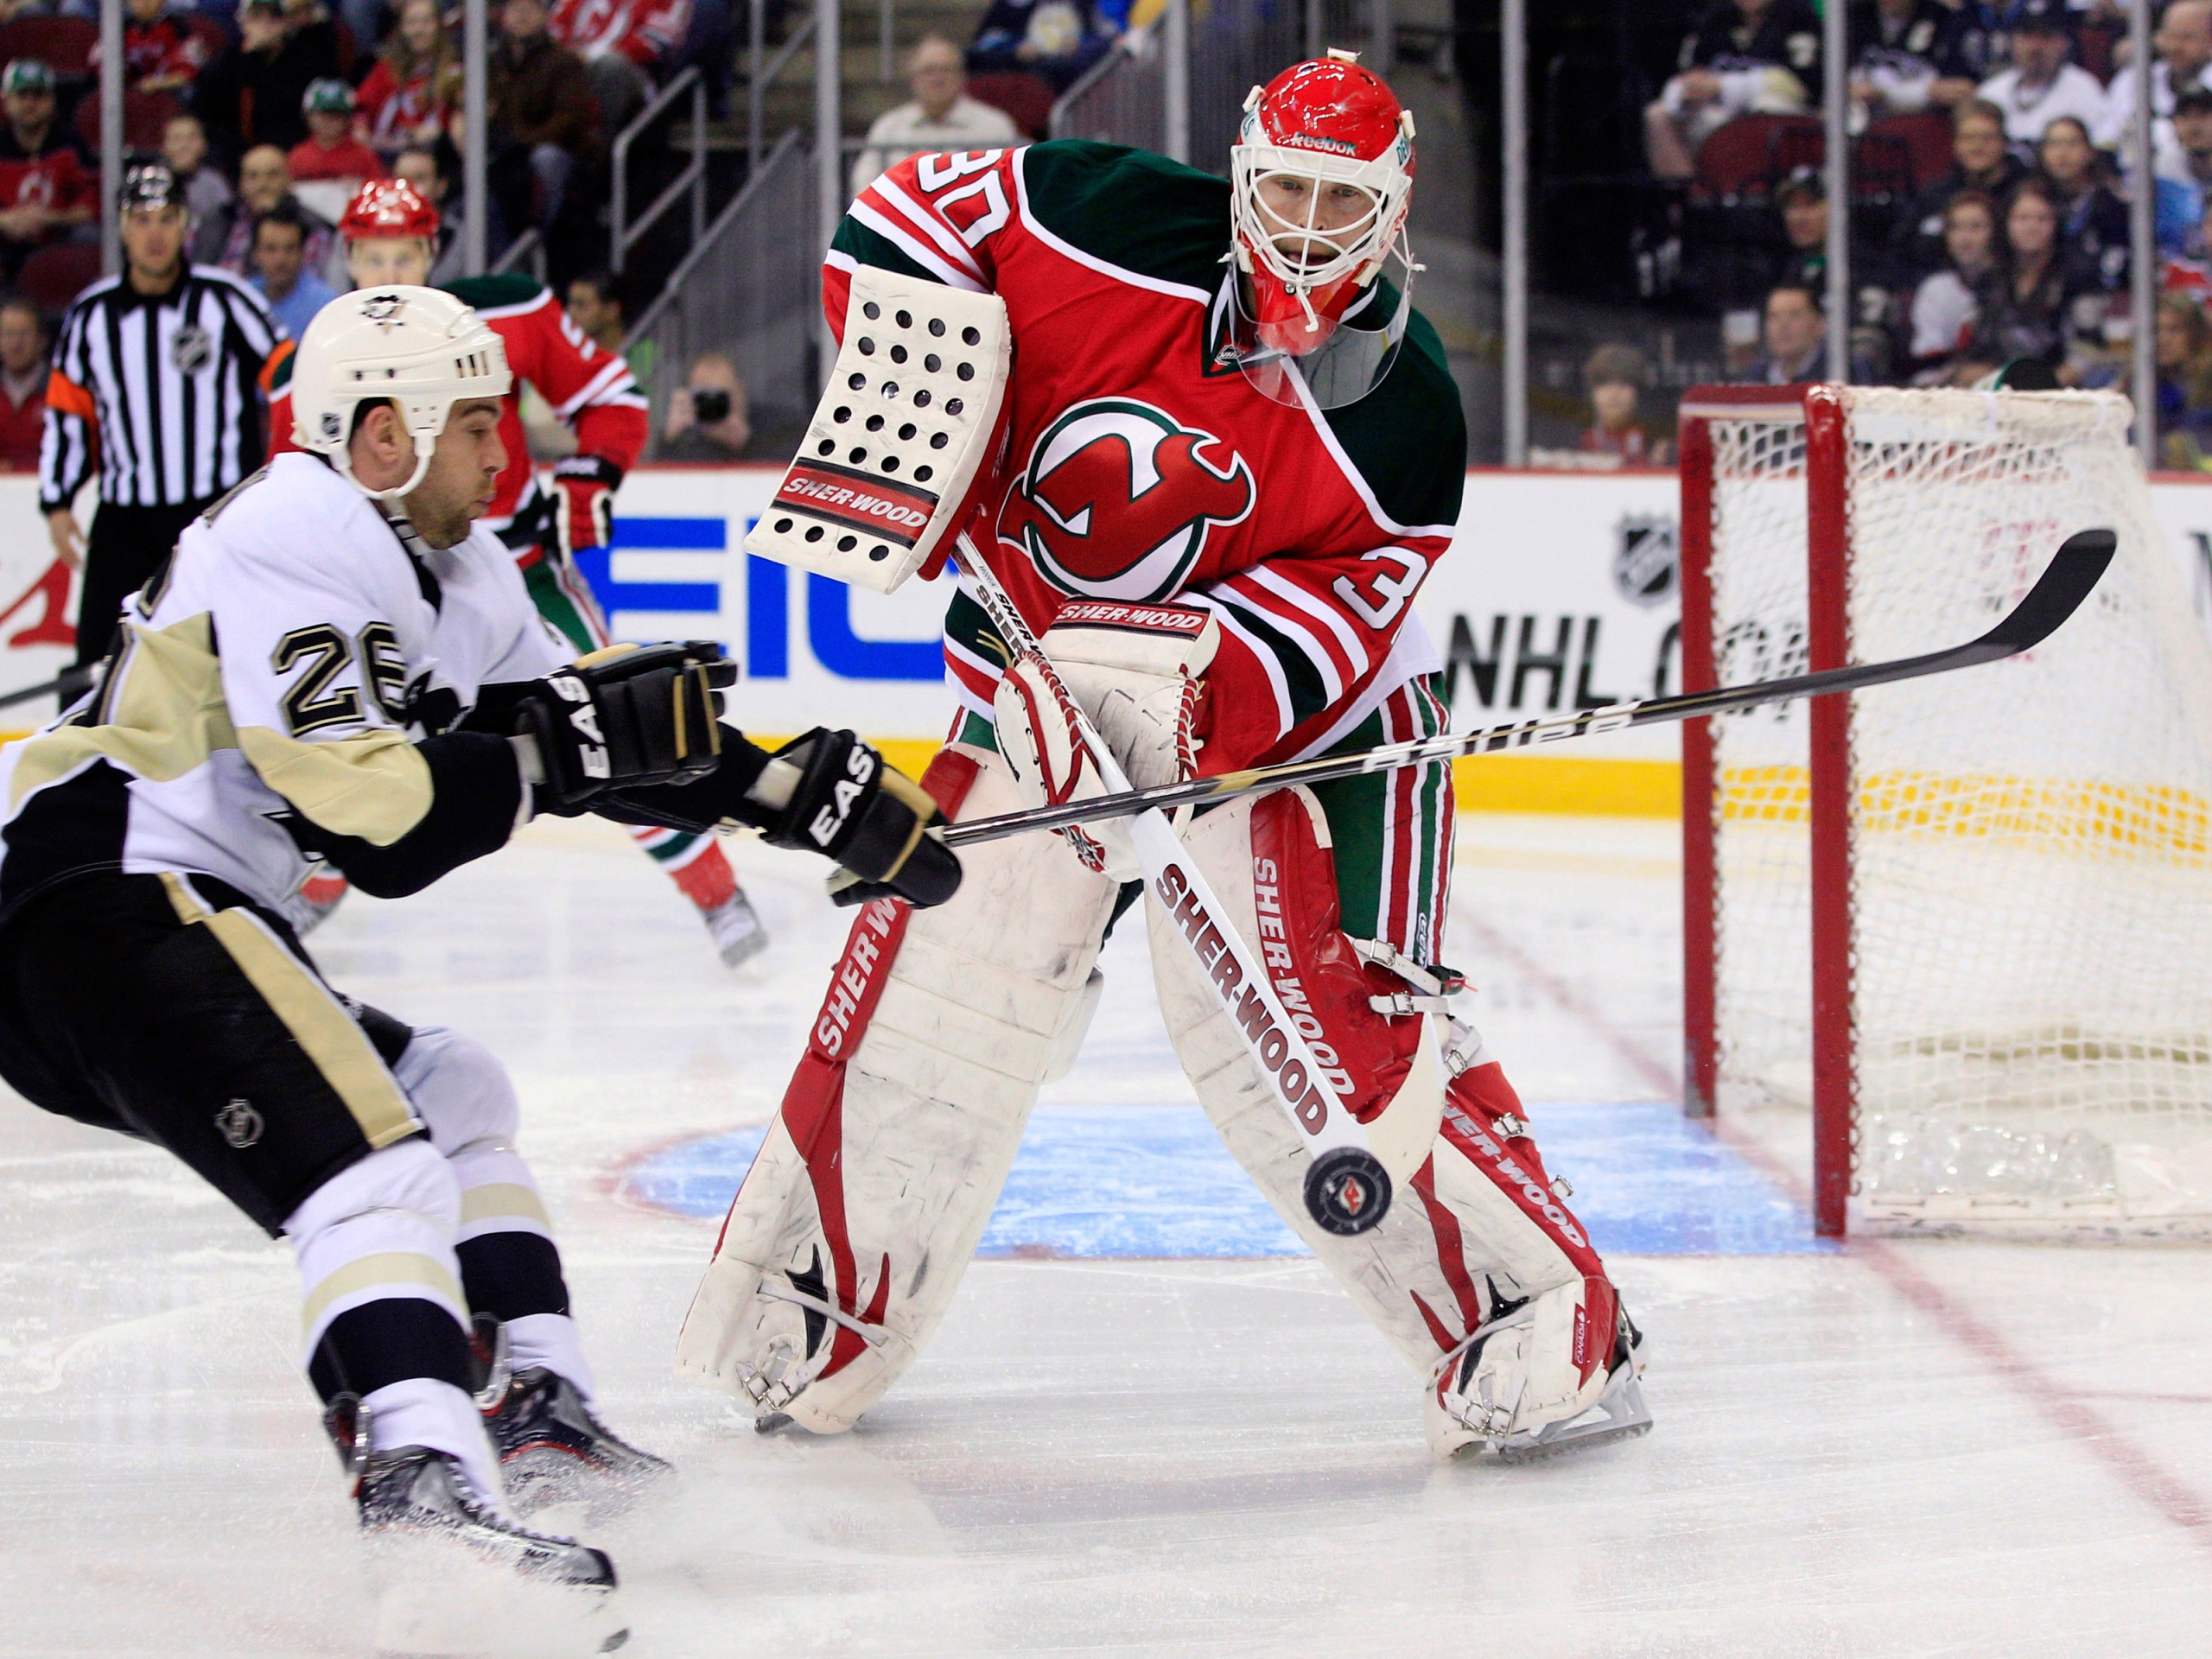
x=1347, y=366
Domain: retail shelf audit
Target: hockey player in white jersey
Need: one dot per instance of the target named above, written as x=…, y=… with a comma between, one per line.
x=335, y=666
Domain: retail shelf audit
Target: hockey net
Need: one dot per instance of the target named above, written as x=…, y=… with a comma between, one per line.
x=1967, y=920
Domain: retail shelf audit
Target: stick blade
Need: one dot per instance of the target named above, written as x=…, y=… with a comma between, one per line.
x=2072, y=574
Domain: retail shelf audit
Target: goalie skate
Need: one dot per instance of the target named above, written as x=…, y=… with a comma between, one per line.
x=1522, y=1387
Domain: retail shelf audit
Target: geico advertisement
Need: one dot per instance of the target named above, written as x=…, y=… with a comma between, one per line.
x=1561, y=592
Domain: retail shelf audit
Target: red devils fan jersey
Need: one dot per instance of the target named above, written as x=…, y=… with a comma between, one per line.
x=590, y=388
x=59, y=177
x=1137, y=468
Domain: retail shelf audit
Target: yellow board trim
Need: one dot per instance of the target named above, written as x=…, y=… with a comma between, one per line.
x=1497, y=783
x=386, y=1268
x=337, y=1047
x=2052, y=812
x=1613, y=789
x=503, y=1200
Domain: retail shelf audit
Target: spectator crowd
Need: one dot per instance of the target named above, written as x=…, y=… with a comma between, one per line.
x=2014, y=258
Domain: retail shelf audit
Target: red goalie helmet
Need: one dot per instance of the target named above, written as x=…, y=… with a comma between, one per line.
x=1321, y=175
x=387, y=208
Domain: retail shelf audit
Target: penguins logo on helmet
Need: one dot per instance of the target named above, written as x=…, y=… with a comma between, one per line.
x=419, y=349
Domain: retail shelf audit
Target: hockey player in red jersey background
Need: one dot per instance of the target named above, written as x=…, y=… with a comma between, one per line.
x=1229, y=451
x=389, y=233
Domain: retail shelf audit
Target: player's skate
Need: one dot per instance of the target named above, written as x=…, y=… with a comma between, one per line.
x=552, y=1450
x=1525, y=1386
x=736, y=929
x=411, y=1495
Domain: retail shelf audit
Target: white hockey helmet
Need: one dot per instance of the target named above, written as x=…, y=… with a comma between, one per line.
x=419, y=348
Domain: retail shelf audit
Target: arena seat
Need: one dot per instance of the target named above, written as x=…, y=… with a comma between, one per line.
x=1025, y=98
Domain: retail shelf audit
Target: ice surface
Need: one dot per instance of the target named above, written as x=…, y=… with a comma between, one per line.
x=1913, y=1448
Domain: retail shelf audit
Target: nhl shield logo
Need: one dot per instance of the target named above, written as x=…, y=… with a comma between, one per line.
x=238, y=1124
x=1645, y=558
x=191, y=350
x=1119, y=496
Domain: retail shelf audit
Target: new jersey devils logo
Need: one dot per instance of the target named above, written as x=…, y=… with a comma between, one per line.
x=1118, y=498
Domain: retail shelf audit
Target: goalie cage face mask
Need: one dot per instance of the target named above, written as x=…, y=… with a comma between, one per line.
x=1321, y=176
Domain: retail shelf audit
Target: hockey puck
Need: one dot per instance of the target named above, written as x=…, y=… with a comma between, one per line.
x=1347, y=1190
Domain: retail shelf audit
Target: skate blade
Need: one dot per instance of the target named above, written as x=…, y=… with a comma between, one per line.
x=742, y=957
x=1619, y=1414
x=428, y=1605
x=771, y=1422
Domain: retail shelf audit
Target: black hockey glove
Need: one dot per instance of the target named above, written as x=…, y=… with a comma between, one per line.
x=872, y=818
x=627, y=715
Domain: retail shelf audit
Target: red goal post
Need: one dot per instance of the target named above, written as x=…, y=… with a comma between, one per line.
x=1827, y=552
x=1963, y=922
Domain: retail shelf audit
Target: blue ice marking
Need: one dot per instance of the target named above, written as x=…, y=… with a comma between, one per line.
x=1154, y=1181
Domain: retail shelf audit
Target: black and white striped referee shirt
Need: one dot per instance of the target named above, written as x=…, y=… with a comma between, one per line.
x=164, y=388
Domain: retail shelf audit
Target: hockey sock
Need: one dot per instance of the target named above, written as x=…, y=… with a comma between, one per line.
x=389, y=1340
x=516, y=1278
x=553, y=1341
x=695, y=863
x=423, y=1412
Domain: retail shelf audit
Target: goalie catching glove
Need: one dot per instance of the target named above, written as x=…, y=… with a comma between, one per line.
x=845, y=803
x=628, y=716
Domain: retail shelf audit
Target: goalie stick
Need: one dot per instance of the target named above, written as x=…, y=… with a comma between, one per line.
x=2068, y=581
x=1347, y=1190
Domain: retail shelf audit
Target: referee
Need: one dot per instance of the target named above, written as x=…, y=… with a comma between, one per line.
x=157, y=371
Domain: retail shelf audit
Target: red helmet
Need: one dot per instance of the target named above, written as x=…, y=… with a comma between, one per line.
x=1317, y=130
x=386, y=207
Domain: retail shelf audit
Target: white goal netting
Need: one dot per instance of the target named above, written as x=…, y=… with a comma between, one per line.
x=2032, y=895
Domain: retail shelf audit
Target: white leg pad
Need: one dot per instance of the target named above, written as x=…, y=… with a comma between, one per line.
x=847, y=1240
x=1400, y=1058
x=1478, y=1254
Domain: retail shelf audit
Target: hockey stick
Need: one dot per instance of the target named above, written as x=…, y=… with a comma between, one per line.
x=1347, y=1189
x=30, y=691
x=2057, y=593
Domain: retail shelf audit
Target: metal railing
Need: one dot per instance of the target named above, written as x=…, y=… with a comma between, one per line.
x=1120, y=100
x=1134, y=95
x=530, y=247
x=761, y=71
x=750, y=288
x=623, y=232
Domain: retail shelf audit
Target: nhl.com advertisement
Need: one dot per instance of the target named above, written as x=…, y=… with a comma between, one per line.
x=1559, y=593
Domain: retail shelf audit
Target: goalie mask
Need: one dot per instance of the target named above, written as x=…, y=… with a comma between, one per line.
x=1320, y=179
x=418, y=348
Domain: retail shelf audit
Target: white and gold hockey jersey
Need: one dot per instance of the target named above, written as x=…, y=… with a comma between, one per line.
x=290, y=684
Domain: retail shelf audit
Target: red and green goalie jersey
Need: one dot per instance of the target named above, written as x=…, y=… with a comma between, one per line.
x=589, y=388
x=1139, y=467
